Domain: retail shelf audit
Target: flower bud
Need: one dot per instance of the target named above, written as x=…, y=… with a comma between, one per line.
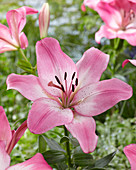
x=44, y=20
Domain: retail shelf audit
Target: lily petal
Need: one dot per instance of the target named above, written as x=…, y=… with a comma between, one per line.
x=130, y=152
x=45, y=114
x=23, y=40
x=4, y=157
x=16, y=135
x=83, y=129
x=91, y=66
x=106, y=32
x=127, y=61
x=5, y=131
x=51, y=62
x=28, y=85
x=98, y=97
x=36, y=162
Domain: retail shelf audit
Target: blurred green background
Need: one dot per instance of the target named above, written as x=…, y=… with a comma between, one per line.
x=75, y=30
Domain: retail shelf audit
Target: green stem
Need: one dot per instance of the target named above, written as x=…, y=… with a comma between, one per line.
x=68, y=149
x=23, y=55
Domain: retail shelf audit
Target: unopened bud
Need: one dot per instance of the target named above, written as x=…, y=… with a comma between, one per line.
x=44, y=20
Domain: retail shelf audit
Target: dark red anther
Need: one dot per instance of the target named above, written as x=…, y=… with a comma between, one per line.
x=76, y=82
x=73, y=87
x=57, y=79
x=62, y=88
x=73, y=75
x=65, y=76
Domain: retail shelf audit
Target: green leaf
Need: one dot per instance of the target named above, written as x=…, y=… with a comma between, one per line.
x=42, y=144
x=54, y=156
x=53, y=144
x=82, y=159
x=101, y=163
x=64, y=139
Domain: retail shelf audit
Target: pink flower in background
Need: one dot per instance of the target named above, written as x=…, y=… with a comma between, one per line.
x=68, y=94
x=92, y=4
x=129, y=60
x=8, y=137
x=120, y=20
x=44, y=20
x=12, y=38
x=130, y=152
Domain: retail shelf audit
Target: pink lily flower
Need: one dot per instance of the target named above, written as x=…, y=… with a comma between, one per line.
x=129, y=60
x=130, y=152
x=33, y=163
x=120, y=20
x=10, y=138
x=12, y=38
x=44, y=20
x=68, y=94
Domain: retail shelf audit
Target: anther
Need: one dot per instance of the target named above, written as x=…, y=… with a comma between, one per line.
x=57, y=79
x=76, y=82
x=65, y=76
x=62, y=88
x=73, y=75
x=73, y=88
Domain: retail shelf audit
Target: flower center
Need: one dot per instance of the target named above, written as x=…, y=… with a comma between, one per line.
x=127, y=19
x=67, y=92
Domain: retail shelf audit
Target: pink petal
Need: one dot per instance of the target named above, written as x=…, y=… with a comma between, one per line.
x=129, y=35
x=16, y=22
x=51, y=62
x=23, y=40
x=128, y=60
x=4, y=157
x=6, y=42
x=83, y=129
x=91, y=66
x=35, y=163
x=5, y=131
x=98, y=97
x=91, y=3
x=113, y=17
x=28, y=85
x=16, y=136
x=29, y=10
x=45, y=114
x=83, y=8
x=130, y=152
x=106, y=32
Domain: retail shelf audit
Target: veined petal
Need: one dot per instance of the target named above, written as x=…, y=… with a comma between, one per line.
x=106, y=32
x=91, y=66
x=16, y=135
x=51, y=62
x=98, y=97
x=129, y=35
x=28, y=85
x=113, y=17
x=83, y=129
x=23, y=40
x=5, y=131
x=36, y=162
x=45, y=114
x=29, y=10
x=127, y=61
x=4, y=157
x=130, y=152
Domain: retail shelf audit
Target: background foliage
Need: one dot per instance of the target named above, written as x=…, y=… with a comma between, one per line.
x=75, y=31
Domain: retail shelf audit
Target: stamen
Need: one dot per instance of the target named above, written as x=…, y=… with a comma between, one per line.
x=65, y=76
x=54, y=85
x=57, y=79
x=76, y=82
x=73, y=87
x=62, y=88
x=73, y=75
